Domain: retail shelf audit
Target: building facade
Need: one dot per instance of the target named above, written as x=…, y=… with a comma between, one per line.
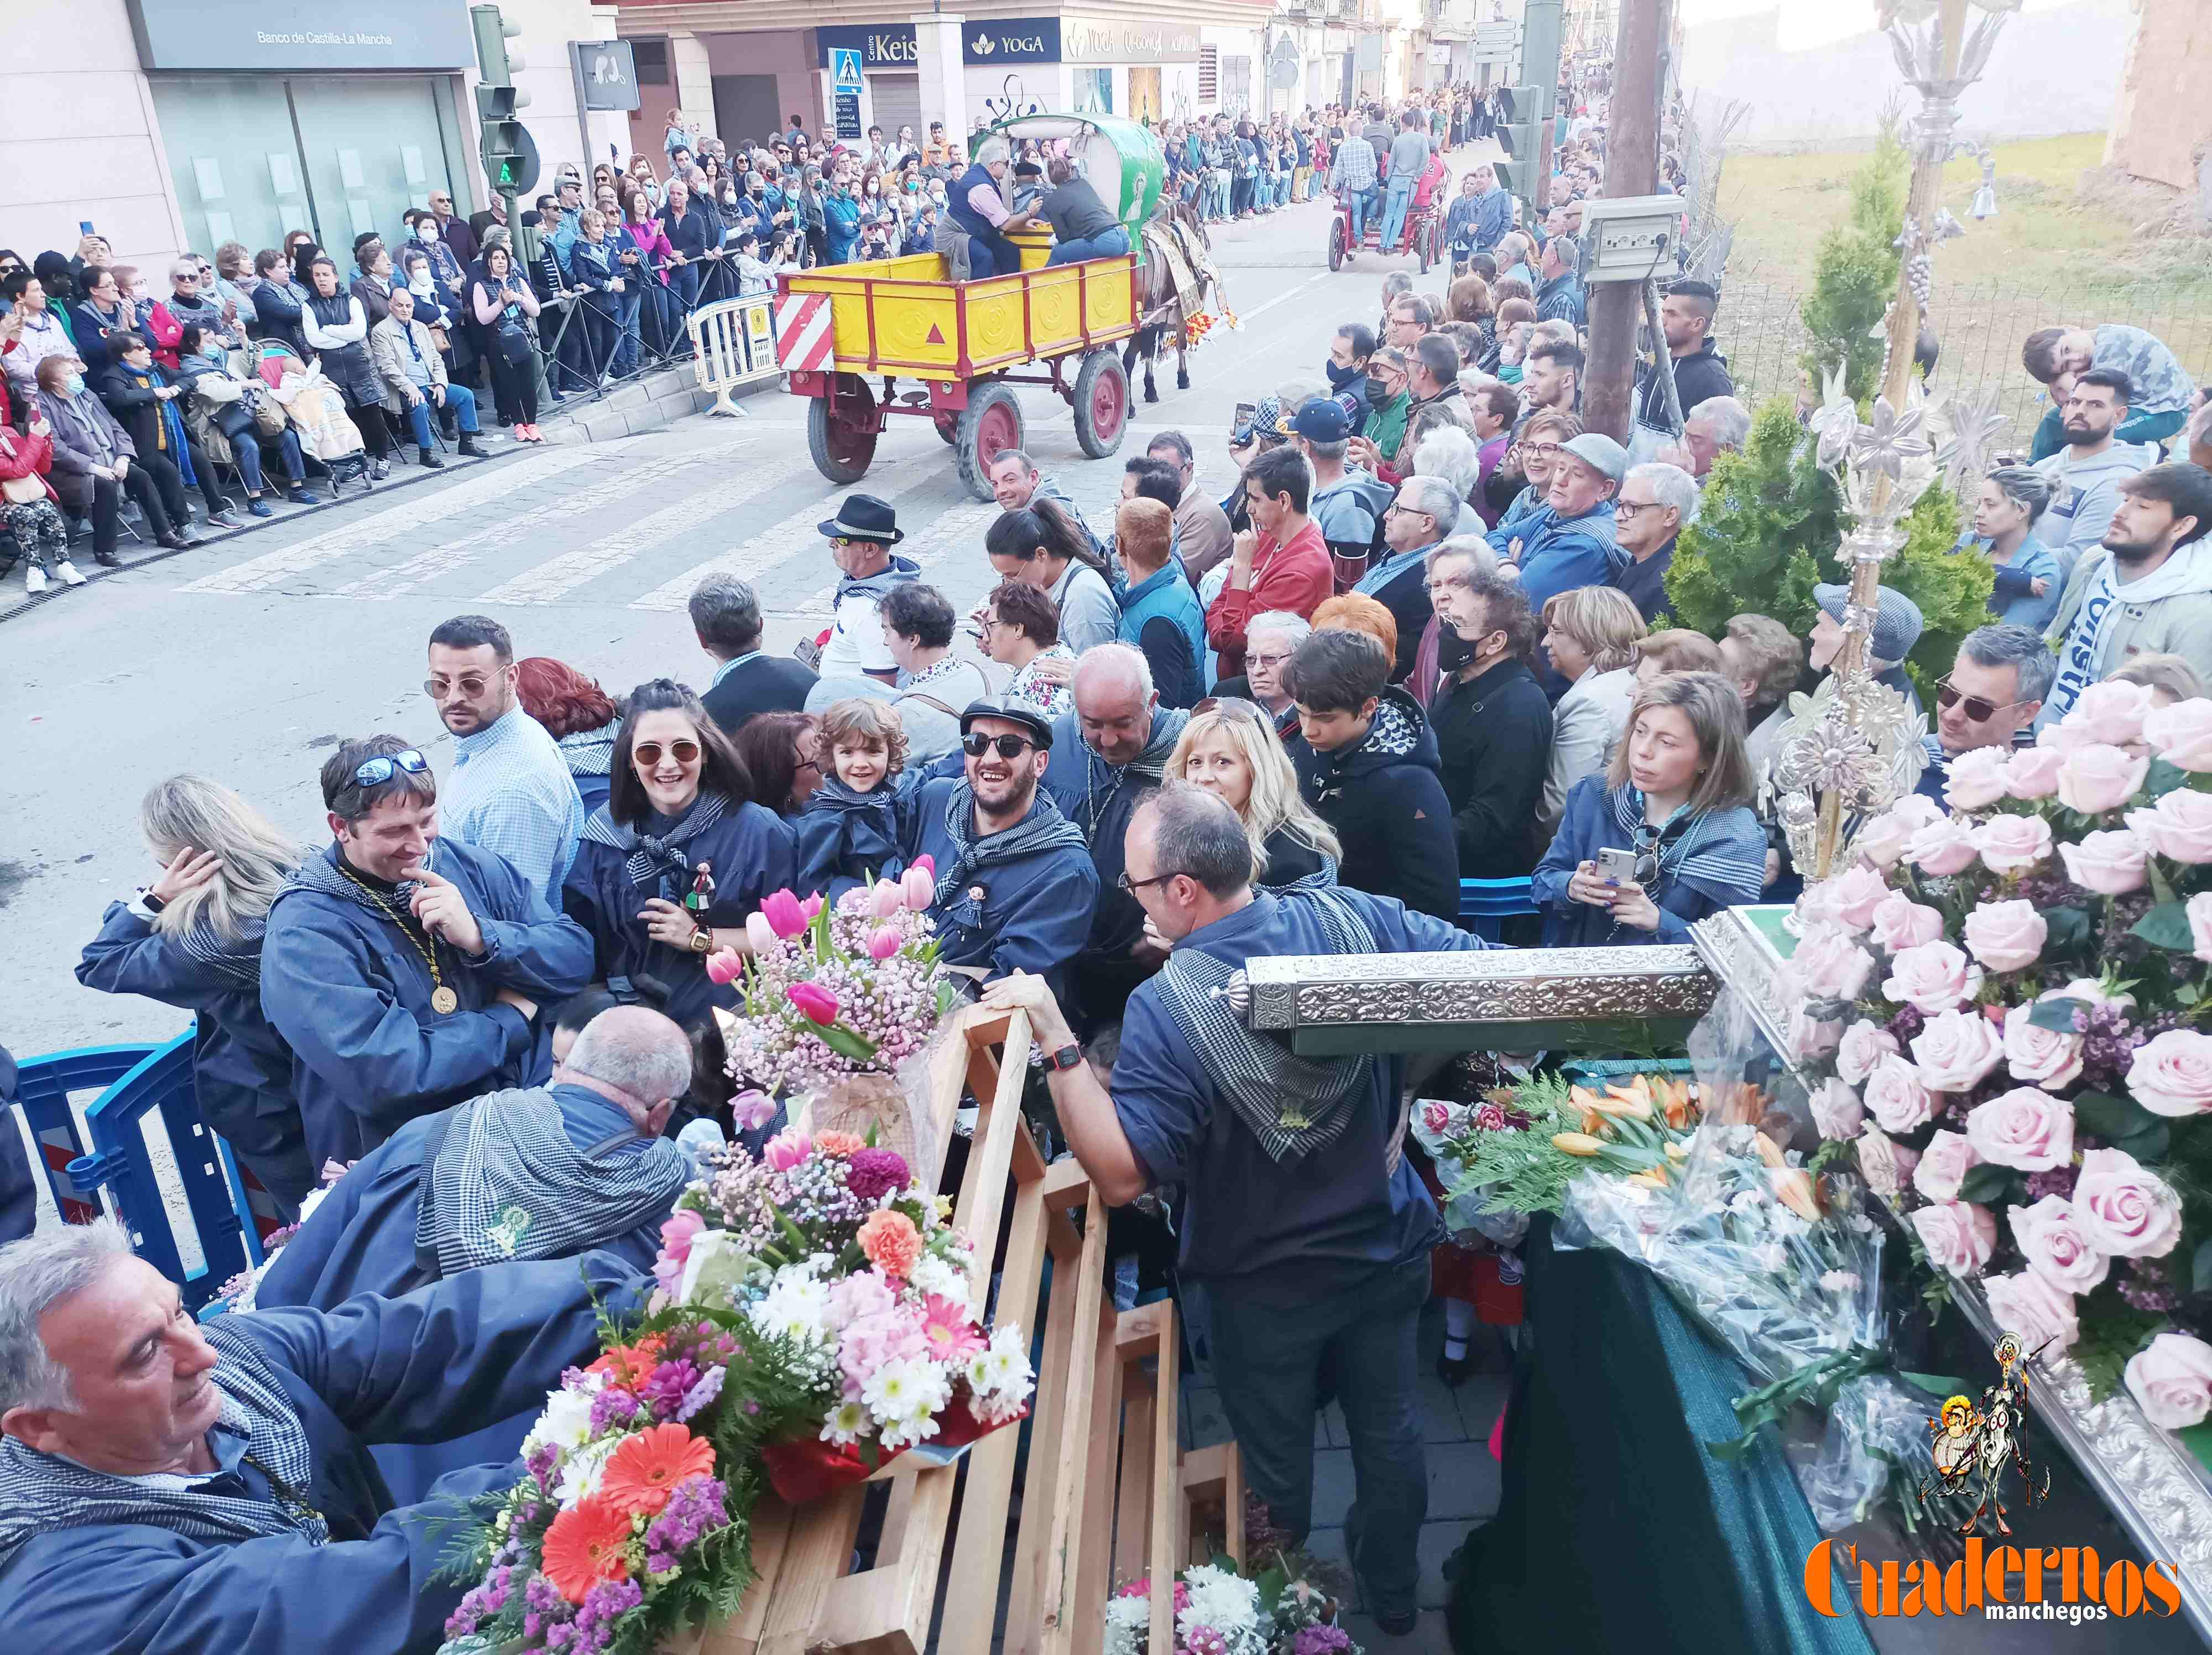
x=169, y=125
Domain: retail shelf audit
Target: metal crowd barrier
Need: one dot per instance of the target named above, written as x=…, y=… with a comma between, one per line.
x=734, y=344
x=117, y=1128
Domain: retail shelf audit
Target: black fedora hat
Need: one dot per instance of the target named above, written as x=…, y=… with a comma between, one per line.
x=864, y=517
x=1012, y=712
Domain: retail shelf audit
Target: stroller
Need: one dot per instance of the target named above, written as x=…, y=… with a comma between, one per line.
x=318, y=413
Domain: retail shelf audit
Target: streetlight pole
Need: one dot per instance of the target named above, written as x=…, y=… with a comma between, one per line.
x=1631, y=169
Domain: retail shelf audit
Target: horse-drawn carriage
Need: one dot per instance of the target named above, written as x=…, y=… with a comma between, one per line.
x=847, y=334
x=1423, y=236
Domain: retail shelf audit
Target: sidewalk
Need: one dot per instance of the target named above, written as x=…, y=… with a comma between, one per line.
x=1463, y=1484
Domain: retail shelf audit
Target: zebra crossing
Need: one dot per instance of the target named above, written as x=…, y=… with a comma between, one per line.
x=637, y=525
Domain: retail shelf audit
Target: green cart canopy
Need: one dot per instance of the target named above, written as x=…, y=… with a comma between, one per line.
x=1123, y=161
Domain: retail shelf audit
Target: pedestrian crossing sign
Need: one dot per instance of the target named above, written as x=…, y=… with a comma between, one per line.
x=845, y=69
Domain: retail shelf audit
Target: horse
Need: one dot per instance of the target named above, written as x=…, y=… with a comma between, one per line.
x=1168, y=301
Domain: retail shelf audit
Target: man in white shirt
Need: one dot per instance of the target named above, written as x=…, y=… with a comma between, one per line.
x=860, y=537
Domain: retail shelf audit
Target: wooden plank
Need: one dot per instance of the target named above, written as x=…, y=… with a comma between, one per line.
x=1043, y=1491
x=1210, y=1474
x=1133, y=1494
x=1167, y=1475
x=771, y=1533
x=818, y=1552
x=1060, y=1614
x=1093, y=1541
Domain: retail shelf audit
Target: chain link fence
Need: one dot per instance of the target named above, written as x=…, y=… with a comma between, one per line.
x=1979, y=327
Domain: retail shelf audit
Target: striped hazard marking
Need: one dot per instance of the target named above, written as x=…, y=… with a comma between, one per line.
x=804, y=335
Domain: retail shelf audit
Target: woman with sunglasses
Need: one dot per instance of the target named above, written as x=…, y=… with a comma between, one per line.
x=193, y=939
x=1231, y=750
x=1677, y=798
x=670, y=866
x=783, y=754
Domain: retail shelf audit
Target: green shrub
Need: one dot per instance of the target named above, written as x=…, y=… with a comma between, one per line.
x=1855, y=272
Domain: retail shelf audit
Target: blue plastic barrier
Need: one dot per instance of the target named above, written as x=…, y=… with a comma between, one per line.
x=1483, y=903
x=136, y=1081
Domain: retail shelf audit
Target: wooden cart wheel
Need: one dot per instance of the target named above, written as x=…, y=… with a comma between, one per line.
x=990, y=424
x=1338, y=242
x=1101, y=402
x=842, y=448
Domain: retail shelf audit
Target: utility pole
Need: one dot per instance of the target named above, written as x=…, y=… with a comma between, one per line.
x=1631, y=169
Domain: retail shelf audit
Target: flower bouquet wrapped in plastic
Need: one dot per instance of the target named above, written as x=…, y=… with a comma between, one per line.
x=1279, y=1610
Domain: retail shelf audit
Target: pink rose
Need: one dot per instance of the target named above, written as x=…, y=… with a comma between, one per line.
x=1917, y=811
x=1815, y=911
x=2199, y=909
x=2006, y=936
x=724, y=966
x=1812, y=1037
x=1836, y=1112
x=2170, y=1378
x=2179, y=827
x=2033, y=772
x=1943, y=1165
x=919, y=887
x=760, y=935
x=1895, y=1098
x=1864, y=1044
x=1977, y=778
x=1884, y=1163
x=885, y=898
x=1958, y=1235
x=1831, y=966
x=2172, y=1075
x=2036, y=1308
x=1901, y=923
x=2124, y=1209
x=783, y=912
x=1882, y=841
x=786, y=1149
x=2026, y=1129
x=1955, y=1051
x=1944, y=847
x=2111, y=713
x=1935, y=977
x=2111, y=864
x=2098, y=778
x=2092, y=993
x=2007, y=844
x=2050, y=1238
x=884, y=941
x=2050, y=1058
x=1857, y=892
x=2182, y=734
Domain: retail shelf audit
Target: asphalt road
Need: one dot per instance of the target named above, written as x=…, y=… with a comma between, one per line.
x=247, y=660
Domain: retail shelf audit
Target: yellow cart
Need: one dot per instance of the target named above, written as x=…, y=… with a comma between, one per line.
x=959, y=343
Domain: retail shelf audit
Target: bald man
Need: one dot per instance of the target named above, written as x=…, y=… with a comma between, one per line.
x=547, y=1171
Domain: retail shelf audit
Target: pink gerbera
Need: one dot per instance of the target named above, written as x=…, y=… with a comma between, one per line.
x=950, y=1335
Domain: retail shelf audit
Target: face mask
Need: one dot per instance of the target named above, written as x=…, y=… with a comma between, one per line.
x=1339, y=377
x=1453, y=651
x=871, y=186
x=1377, y=397
x=425, y=229
x=419, y=283
x=73, y=384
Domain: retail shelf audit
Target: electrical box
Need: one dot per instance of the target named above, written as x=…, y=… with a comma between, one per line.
x=1629, y=238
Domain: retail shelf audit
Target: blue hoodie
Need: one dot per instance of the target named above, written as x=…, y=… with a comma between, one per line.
x=1559, y=554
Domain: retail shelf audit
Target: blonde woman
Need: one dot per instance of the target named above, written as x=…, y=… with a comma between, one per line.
x=193, y=939
x=1591, y=635
x=1233, y=752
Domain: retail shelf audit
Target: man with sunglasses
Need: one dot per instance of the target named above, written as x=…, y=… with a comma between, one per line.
x=1989, y=698
x=860, y=536
x=1300, y=1213
x=406, y=971
x=510, y=792
x=1015, y=883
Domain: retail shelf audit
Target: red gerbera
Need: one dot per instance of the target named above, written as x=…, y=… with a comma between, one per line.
x=586, y=1547
x=631, y=1366
x=647, y=1466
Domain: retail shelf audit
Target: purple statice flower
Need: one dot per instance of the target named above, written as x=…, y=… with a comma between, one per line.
x=665, y=1390
x=2058, y=1181
x=609, y=1406
x=1906, y=1023
x=694, y=1509
x=540, y=1465
x=703, y=1393
x=2147, y=1288
x=603, y=1605
x=1320, y=1640
x=548, y=1612
x=872, y=1174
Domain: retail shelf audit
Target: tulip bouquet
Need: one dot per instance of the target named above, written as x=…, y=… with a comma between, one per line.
x=2004, y=1021
x=830, y=993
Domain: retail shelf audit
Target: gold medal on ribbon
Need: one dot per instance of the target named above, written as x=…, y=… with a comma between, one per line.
x=443, y=1001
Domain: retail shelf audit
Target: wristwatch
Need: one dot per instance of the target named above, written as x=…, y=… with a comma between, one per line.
x=1066, y=1058
x=702, y=941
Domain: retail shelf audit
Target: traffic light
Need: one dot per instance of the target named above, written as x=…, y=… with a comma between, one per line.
x=1520, y=135
x=510, y=155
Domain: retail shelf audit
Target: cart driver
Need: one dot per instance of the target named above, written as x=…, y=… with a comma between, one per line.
x=978, y=205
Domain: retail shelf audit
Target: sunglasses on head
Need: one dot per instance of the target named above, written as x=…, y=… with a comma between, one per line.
x=371, y=772
x=977, y=744
x=648, y=752
x=1978, y=710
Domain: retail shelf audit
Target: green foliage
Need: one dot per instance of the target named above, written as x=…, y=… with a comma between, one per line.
x=1769, y=531
x=1855, y=273
x=2112, y=1331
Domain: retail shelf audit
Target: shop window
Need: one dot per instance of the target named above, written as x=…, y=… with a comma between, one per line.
x=1094, y=91
x=1209, y=75
x=652, y=58
x=1236, y=84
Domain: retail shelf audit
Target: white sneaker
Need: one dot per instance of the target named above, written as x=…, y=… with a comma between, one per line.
x=34, y=579
x=67, y=570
